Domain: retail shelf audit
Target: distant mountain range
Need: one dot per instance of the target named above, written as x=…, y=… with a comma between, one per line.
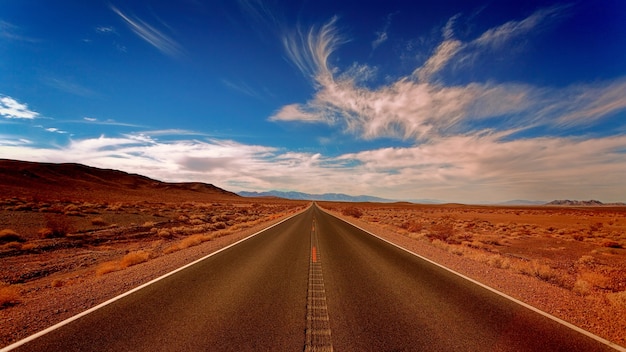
x=340, y=197
x=334, y=197
x=582, y=203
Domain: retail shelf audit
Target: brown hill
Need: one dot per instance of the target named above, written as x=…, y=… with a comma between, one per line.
x=48, y=181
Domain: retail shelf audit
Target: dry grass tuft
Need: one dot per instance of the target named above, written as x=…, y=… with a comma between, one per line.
x=442, y=230
x=8, y=235
x=617, y=298
x=56, y=226
x=190, y=241
x=582, y=287
x=586, y=260
x=134, y=258
x=611, y=244
x=107, y=267
x=352, y=211
x=9, y=295
x=57, y=283
x=541, y=271
x=99, y=221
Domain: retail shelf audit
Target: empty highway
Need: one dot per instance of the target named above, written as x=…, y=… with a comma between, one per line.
x=313, y=283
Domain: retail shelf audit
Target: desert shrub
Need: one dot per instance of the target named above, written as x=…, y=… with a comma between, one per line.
x=192, y=241
x=9, y=295
x=413, y=226
x=11, y=245
x=219, y=225
x=595, y=279
x=611, y=244
x=107, y=267
x=134, y=258
x=498, y=261
x=352, y=211
x=586, y=259
x=595, y=227
x=165, y=233
x=8, y=235
x=582, y=287
x=188, y=242
x=196, y=222
x=442, y=230
x=56, y=226
x=541, y=271
x=28, y=246
x=617, y=298
x=99, y=221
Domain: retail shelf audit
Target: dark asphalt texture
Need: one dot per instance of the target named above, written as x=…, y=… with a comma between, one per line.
x=252, y=297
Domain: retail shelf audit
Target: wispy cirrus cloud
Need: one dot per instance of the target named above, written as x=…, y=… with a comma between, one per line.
x=246, y=89
x=10, y=31
x=69, y=86
x=421, y=107
x=105, y=29
x=383, y=34
x=12, y=109
x=309, y=51
x=151, y=35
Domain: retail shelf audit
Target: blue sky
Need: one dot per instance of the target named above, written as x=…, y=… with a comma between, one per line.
x=464, y=101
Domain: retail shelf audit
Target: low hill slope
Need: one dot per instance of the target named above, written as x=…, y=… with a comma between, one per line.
x=81, y=182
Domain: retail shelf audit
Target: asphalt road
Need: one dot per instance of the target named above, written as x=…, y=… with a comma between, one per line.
x=367, y=296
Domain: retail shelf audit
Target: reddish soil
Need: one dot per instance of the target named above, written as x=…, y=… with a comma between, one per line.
x=569, y=262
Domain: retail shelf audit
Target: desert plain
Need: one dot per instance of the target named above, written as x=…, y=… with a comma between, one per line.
x=72, y=237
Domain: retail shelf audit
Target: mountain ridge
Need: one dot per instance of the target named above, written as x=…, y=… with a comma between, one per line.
x=73, y=180
x=336, y=197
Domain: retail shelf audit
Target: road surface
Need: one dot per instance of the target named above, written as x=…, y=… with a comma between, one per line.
x=313, y=283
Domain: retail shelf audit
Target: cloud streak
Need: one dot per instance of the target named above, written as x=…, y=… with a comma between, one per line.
x=151, y=35
x=12, y=109
x=420, y=107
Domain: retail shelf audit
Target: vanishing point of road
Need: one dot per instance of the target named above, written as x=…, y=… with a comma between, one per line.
x=313, y=283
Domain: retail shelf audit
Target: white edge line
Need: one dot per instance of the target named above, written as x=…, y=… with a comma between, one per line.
x=536, y=310
x=103, y=304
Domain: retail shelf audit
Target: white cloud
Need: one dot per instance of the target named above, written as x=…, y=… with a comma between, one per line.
x=498, y=36
x=55, y=130
x=465, y=168
x=419, y=107
x=105, y=29
x=296, y=112
x=310, y=51
x=150, y=34
x=381, y=37
x=12, y=109
x=485, y=167
x=443, y=54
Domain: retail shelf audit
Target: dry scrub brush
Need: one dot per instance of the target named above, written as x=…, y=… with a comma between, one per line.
x=9, y=235
x=56, y=226
x=352, y=211
x=9, y=295
x=130, y=259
